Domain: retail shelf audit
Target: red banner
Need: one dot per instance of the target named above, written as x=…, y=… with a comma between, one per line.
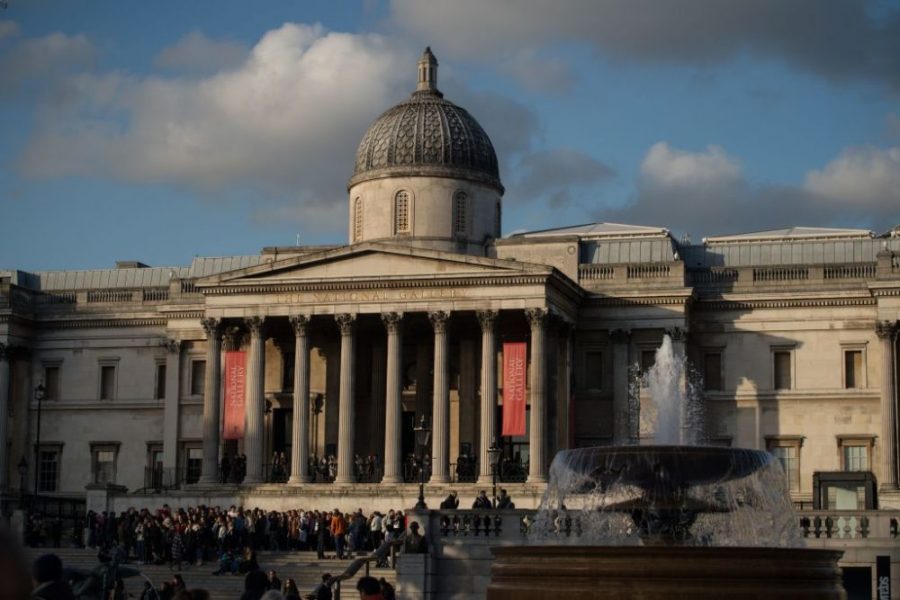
x=235, y=398
x=514, y=388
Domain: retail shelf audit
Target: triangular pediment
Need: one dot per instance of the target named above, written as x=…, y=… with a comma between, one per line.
x=369, y=261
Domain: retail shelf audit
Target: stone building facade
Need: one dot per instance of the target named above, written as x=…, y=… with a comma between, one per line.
x=793, y=334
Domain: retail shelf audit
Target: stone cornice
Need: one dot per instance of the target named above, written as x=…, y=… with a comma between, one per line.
x=593, y=300
x=720, y=304
x=102, y=323
x=351, y=284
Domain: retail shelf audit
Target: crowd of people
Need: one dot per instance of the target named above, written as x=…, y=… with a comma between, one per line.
x=231, y=537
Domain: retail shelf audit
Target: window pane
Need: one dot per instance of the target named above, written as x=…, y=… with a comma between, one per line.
x=401, y=212
x=357, y=219
x=107, y=383
x=104, y=466
x=51, y=383
x=160, y=382
x=852, y=369
x=790, y=462
x=782, y=370
x=460, y=209
x=712, y=371
x=198, y=376
x=194, y=462
x=49, y=470
x=856, y=458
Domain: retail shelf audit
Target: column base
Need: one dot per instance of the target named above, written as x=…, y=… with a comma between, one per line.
x=439, y=480
x=297, y=480
x=344, y=480
x=207, y=481
x=485, y=480
x=250, y=480
x=392, y=479
x=536, y=480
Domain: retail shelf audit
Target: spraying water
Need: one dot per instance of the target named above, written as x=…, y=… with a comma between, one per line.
x=677, y=492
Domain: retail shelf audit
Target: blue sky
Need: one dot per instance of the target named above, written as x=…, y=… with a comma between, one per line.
x=159, y=131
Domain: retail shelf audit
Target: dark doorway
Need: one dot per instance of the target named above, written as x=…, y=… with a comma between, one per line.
x=858, y=583
x=281, y=429
x=408, y=438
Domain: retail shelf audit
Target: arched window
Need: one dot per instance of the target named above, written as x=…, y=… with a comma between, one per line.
x=401, y=212
x=460, y=200
x=357, y=219
x=498, y=221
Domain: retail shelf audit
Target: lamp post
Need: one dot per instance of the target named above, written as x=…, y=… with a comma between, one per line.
x=22, y=468
x=423, y=437
x=494, y=454
x=39, y=392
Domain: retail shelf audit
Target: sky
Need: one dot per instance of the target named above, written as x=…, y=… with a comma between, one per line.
x=159, y=131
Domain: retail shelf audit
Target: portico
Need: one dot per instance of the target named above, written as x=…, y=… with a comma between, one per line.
x=375, y=332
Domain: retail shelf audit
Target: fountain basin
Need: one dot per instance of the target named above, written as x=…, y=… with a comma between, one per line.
x=664, y=573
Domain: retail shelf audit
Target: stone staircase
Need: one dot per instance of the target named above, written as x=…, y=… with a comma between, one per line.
x=302, y=567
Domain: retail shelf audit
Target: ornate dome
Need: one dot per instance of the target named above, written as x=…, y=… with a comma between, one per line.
x=426, y=136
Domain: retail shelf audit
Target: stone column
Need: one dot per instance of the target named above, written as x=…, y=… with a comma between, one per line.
x=4, y=415
x=887, y=331
x=300, y=433
x=171, y=415
x=393, y=409
x=440, y=446
x=209, y=470
x=379, y=372
x=346, y=323
x=537, y=318
x=621, y=419
x=487, y=319
x=253, y=437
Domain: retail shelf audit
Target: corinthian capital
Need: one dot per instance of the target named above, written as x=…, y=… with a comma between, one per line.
x=255, y=325
x=886, y=329
x=439, y=320
x=676, y=334
x=487, y=319
x=211, y=326
x=536, y=317
x=172, y=346
x=345, y=322
x=392, y=321
x=300, y=324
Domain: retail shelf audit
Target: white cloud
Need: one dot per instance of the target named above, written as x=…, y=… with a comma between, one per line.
x=286, y=120
x=42, y=59
x=836, y=40
x=197, y=53
x=865, y=177
x=8, y=29
x=665, y=166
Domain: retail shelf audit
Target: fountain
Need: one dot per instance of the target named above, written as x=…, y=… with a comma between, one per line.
x=674, y=520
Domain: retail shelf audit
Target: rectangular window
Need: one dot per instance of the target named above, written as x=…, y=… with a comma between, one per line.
x=459, y=205
x=788, y=454
x=853, y=369
x=51, y=382
x=48, y=473
x=198, y=377
x=160, y=382
x=782, y=367
x=855, y=458
x=107, y=382
x=193, y=462
x=103, y=467
x=712, y=371
x=593, y=369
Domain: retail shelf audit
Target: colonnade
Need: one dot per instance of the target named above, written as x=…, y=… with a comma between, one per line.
x=393, y=388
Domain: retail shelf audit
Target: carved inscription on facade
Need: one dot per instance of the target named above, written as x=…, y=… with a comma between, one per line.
x=370, y=296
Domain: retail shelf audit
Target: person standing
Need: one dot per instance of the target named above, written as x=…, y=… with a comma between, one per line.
x=338, y=531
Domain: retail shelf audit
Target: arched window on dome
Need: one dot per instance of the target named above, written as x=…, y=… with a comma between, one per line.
x=498, y=221
x=357, y=219
x=460, y=203
x=401, y=212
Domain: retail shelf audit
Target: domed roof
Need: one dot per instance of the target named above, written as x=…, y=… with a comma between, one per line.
x=426, y=136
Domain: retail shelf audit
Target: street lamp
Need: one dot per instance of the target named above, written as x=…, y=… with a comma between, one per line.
x=22, y=468
x=494, y=454
x=423, y=437
x=39, y=392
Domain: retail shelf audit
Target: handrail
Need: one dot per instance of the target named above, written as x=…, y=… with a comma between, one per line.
x=384, y=550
